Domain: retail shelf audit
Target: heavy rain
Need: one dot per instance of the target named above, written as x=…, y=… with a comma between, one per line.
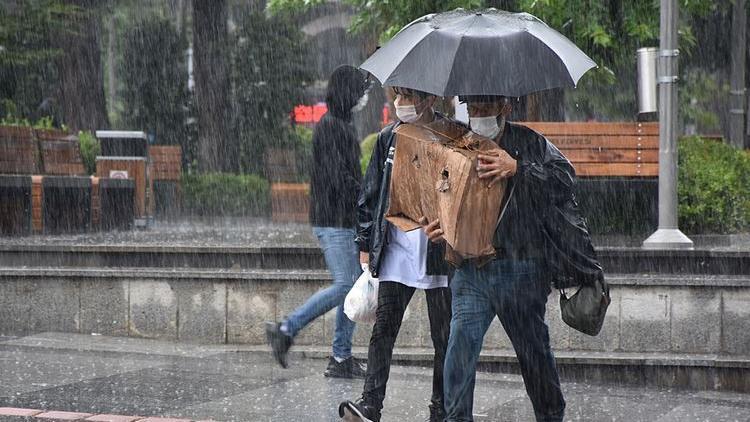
x=374, y=210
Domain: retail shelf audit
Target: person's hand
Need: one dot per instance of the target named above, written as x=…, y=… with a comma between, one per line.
x=364, y=257
x=497, y=166
x=432, y=230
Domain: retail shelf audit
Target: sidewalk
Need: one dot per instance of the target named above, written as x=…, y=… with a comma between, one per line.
x=123, y=376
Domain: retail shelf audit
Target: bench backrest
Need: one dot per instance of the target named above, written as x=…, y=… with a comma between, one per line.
x=61, y=154
x=624, y=149
x=19, y=151
x=24, y=150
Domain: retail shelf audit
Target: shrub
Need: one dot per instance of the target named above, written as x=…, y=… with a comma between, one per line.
x=713, y=187
x=223, y=194
x=90, y=148
x=368, y=144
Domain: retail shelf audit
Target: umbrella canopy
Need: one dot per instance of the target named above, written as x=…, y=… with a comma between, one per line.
x=489, y=52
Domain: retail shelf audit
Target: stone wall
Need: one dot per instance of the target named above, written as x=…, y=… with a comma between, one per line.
x=660, y=313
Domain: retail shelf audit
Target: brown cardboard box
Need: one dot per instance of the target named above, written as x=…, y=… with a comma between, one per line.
x=434, y=175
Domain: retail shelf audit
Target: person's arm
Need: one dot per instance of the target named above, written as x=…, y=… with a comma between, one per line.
x=544, y=173
x=370, y=193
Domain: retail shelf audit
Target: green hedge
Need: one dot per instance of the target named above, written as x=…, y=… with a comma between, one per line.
x=714, y=187
x=222, y=194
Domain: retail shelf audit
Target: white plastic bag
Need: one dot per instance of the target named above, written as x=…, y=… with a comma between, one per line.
x=362, y=300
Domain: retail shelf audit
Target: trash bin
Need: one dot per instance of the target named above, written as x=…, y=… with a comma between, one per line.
x=66, y=204
x=15, y=205
x=116, y=143
x=117, y=198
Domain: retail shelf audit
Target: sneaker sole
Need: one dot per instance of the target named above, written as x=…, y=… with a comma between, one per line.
x=351, y=414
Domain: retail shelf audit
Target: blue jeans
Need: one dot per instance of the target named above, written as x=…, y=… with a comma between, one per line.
x=515, y=292
x=342, y=258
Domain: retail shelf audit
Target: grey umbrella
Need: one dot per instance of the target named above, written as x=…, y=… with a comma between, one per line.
x=489, y=52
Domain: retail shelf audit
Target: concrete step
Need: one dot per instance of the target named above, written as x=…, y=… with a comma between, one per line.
x=307, y=256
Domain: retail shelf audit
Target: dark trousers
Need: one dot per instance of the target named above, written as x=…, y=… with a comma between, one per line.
x=392, y=301
x=515, y=292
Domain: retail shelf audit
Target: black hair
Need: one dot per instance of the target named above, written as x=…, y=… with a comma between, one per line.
x=346, y=86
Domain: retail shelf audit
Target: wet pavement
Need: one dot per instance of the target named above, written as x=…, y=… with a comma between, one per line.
x=97, y=374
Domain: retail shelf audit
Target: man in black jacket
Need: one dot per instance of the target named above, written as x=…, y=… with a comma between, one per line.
x=515, y=285
x=334, y=189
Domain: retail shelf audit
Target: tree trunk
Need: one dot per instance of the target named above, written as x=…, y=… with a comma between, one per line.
x=211, y=73
x=81, y=93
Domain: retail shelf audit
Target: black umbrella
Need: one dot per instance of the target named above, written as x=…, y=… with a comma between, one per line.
x=490, y=52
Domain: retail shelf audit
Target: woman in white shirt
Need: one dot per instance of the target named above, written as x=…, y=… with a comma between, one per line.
x=404, y=262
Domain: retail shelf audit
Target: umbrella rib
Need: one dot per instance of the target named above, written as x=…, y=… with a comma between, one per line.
x=458, y=47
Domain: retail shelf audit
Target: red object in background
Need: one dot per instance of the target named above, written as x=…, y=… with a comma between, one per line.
x=309, y=113
x=313, y=113
x=386, y=117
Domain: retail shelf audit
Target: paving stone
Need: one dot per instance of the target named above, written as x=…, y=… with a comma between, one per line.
x=63, y=416
x=114, y=418
x=15, y=411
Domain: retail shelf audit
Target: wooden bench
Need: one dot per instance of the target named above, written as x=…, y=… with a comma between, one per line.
x=606, y=149
x=617, y=169
x=19, y=151
x=60, y=153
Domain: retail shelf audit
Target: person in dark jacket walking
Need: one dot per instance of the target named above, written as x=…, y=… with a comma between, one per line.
x=404, y=262
x=515, y=285
x=334, y=189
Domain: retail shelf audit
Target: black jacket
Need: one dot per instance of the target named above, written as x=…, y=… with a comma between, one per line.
x=373, y=204
x=541, y=218
x=336, y=175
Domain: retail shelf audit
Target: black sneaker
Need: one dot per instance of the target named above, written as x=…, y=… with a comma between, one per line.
x=437, y=412
x=358, y=412
x=348, y=368
x=279, y=342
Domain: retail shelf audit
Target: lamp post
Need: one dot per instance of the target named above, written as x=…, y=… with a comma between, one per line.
x=668, y=235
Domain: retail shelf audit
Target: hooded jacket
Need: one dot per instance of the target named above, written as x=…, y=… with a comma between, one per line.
x=336, y=176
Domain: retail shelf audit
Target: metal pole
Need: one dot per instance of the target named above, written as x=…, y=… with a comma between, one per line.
x=737, y=83
x=668, y=236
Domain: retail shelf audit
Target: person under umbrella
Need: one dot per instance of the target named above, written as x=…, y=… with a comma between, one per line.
x=404, y=262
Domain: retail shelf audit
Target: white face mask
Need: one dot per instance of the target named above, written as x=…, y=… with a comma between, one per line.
x=486, y=126
x=406, y=113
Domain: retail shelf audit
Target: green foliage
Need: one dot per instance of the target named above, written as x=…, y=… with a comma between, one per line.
x=271, y=67
x=697, y=92
x=222, y=194
x=28, y=72
x=155, y=94
x=713, y=187
x=90, y=148
x=45, y=122
x=367, y=145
